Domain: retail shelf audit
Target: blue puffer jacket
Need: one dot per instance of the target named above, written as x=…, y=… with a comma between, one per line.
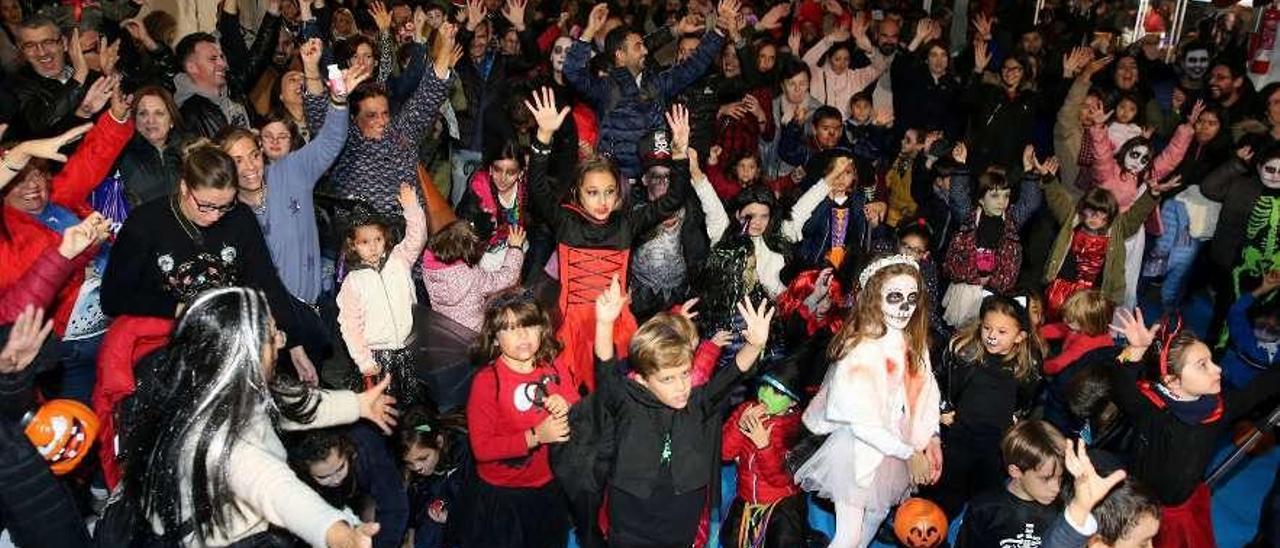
x=628, y=111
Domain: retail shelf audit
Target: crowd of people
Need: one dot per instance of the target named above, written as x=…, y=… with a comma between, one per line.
x=499, y=273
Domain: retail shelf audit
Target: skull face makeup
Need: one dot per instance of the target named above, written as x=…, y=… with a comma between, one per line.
x=1269, y=173
x=898, y=299
x=1137, y=158
x=1195, y=64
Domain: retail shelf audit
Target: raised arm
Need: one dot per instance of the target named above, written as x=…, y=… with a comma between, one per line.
x=420, y=111
x=541, y=199
x=415, y=232
x=576, y=71
x=712, y=208
x=644, y=218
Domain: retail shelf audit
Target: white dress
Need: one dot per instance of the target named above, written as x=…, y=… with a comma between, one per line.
x=862, y=405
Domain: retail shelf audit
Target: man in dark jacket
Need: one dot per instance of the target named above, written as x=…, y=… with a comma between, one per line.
x=630, y=100
x=49, y=90
x=211, y=88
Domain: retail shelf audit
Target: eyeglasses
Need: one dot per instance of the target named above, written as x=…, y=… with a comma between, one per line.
x=276, y=138
x=48, y=44
x=213, y=208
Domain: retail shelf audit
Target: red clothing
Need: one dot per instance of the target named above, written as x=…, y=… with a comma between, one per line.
x=762, y=473
x=584, y=274
x=1076, y=344
x=1089, y=254
x=28, y=237
x=127, y=340
x=39, y=285
x=500, y=411
x=1187, y=525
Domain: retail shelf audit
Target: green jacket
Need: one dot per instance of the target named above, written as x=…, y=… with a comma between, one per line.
x=1126, y=224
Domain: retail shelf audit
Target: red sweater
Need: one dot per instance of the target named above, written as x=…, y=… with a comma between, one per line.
x=499, y=413
x=27, y=237
x=762, y=473
x=127, y=340
x=1076, y=344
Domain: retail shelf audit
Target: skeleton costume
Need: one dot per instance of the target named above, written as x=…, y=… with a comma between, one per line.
x=875, y=415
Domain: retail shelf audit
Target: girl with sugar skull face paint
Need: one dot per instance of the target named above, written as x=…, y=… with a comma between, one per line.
x=881, y=377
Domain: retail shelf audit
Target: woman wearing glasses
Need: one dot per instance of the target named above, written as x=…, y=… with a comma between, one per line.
x=202, y=232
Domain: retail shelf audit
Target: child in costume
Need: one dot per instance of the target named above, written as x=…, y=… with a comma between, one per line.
x=986, y=252
x=519, y=406
x=376, y=300
x=1253, y=335
x=990, y=377
x=1090, y=251
x=770, y=509
x=1124, y=171
x=1179, y=411
x=878, y=405
x=595, y=235
x=1086, y=317
x=436, y=462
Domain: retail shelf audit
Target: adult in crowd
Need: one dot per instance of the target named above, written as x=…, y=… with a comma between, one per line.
x=217, y=72
x=53, y=95
x=152, y=162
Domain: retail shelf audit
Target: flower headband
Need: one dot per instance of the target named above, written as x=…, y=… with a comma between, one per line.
x=882, y=263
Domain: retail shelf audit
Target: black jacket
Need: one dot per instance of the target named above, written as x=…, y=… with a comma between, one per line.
x=47, y=106
x=492, y=91
x=244, y=66
x=148, y=172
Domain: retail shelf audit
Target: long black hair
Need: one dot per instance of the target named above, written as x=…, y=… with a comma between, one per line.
x=193, y=404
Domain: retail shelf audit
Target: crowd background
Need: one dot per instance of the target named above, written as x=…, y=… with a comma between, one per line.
x=331, y=263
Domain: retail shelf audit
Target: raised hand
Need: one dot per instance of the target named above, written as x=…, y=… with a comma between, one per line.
x=1245, y=153
x=377, y=407
x=773, y=18
x=689, y=24
x=793, y=43
x=727, y=14
x=138, y=31
x=1049, y=167
x=78, y=63
x=1196, y=110
x=595, y=21
x=960, y=153
x=446, y=54
x=354, y=76
x=1157, y=188
x=46, y=148
x=381, y=16
x=545, y=114
x=25, y=338
x=982, y=24
x=858, y=30
x=757, y=320
x=476, y=12
x=514, y=12
x=406, y=196
x=97, y=97
x=1131, y=326
x=108, y=55
x=1090, y=488
x=678, y=120
x=1029, y=162
x=981, y=56
x=93, y=230
x=610, y=303
x=310, y=53
x=1096, y=65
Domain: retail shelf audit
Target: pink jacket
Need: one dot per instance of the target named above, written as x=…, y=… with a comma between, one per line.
x=1122, y=185
x=459, y=291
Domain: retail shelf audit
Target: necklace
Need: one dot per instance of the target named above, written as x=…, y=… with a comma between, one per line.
x=259, y=207
x=187, y=226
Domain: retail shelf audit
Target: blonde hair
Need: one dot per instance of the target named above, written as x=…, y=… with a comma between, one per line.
x=1089, y=310
x=665, y=340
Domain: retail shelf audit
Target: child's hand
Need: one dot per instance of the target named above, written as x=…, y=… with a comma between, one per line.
x=722, y=338
x=713, y=156
x=1029, y=159
x=948, y=418
x=516, y=236
x=552, y=429
x=678, y=120
x=1132, y=327
x=556, y=405
x=757, y=319
x=407, y=197
x=1161, y=188
x=610, y=303
x=686, y=309
x=753, y=424
x=934, y=452
x=1090, y=488
x=1049, y=167
x=960, y=153
x=920, y=467
x=545, y=114
x=1270, y=281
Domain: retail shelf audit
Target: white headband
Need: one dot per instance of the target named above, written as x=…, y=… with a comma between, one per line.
x=883, y=262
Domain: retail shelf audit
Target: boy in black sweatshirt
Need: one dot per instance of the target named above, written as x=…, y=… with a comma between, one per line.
x=1022, y=513
x=665, y=461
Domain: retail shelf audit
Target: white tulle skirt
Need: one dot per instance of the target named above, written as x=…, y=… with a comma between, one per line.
x=830, y=474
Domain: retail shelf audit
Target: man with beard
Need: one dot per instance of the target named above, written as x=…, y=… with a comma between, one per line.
x=888, y=36
x=1230, y=89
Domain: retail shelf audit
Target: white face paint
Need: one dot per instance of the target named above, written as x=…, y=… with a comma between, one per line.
x=1270, y=173
x=1196, y=64
x=898, y=299
x=558, y=52
x=1137, y=159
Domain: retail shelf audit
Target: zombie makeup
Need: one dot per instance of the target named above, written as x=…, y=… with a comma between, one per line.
x=1195, y=64
x=1269, y=173
x=898, y=299
x=1137, y=158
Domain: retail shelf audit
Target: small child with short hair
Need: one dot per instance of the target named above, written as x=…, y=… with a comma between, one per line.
x=1022, y=513
x=1085, y=318
x=664, y=465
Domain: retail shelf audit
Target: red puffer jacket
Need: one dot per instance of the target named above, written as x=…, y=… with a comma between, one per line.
x=128, y=339
x=26, y=237
x=762, y=473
